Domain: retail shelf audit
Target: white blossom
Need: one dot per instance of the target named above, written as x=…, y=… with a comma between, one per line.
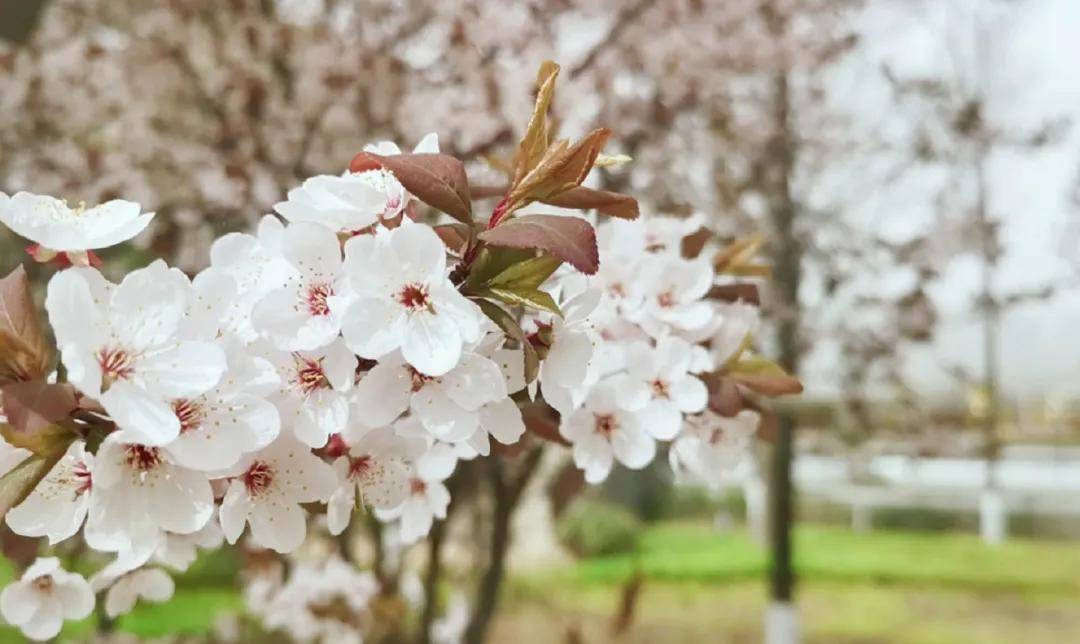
x=120, y=345
x=58, y=505
x=53, y=224
x=267, y=493
x=44, y=597
x=403, y=299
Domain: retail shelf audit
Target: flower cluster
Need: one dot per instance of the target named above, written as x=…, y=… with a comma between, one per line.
x=347, y=355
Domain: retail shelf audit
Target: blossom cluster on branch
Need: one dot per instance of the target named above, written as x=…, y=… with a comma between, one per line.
x=347, y=355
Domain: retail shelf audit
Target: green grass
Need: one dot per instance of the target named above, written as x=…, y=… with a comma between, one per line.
x=692, y=552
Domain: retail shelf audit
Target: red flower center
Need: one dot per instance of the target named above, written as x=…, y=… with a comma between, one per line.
x=258, y=477
x=142, y=458
x=417, y=486
x=666, y=300
x=44, y=583
x=418, y=379
x=605, y=424
x=415, y=297
x=660, y=389
x=82, y=477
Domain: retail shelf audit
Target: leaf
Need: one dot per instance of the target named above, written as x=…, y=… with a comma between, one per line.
x=724, y=395
x=530, y=273
x=605, y=202
x=25, y=353
x=739, y=291
x=568, y=238
x=455, y=236
x=765, y=377
x=491, y=261
x=21, y=480
x=438, y=180
x=544, y=426
x=530, y=297
x=35, y=412
x=534, y=143
x=510, y=327
x=563, y=167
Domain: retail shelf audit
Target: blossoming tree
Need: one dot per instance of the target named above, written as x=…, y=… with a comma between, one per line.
x=347, y=356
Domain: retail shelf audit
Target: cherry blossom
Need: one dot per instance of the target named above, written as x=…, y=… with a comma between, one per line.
x=147, y=584
x=44, y=597
x=312, y=397
x=120, y=345
x=711, y=446
x=428, y=497
x=297, y=316
x=140, y=491
x=449, y=406
x=602, y=432
x=675, y=290
x=267, y=491
x=345, y=204
x=58, y=505
x=659, y=387
x=403, y=299
x=233, y=418
x=375, y=471
x=59, y=228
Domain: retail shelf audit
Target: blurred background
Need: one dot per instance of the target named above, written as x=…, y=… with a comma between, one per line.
x=912, y=164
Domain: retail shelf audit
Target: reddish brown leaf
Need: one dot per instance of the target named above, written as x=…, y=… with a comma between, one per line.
x=544, y=426
x=724, y=396
x=694, y=243
x=571, y=239
x=605, y=202
x=563, y=167
x=436, y=179
x=770, y=385
x=739, y=291
x=33, y=406
x=534, y=143
x=455, y=236
x=25, y=353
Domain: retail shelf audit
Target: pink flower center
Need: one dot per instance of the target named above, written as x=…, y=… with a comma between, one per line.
x=415, y=297
x=142, y=458
x=660, y=389
x=116, y=364
x=417, y=486
x=316, y=298
x=392, y=205
x=605, y=424
x=310, y=376
x=716, y=436
x=666, y=300
x=84, y=481
x=359, y=467
x=258, y=477
x=190, y=414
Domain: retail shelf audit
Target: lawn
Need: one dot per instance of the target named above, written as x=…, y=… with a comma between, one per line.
x=702, y=586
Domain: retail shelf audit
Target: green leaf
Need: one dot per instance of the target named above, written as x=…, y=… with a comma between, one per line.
x=18, y=483
x=530, y=273
x=491, y=261
x=530, y=297
x=510, y=327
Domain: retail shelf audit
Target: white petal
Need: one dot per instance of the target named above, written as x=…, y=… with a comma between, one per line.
x=373, y=327
x=145, y=416
x=431, y=344
x=502, y=419
x=383, y=393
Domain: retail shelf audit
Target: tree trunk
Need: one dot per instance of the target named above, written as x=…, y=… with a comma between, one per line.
x=506, y=492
